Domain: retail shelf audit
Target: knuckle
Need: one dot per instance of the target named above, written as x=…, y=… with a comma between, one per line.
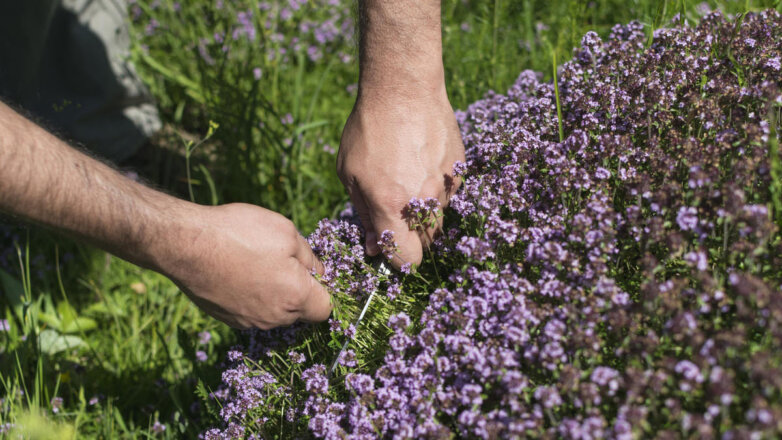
x=264, y=325
x=297, y=296
x=433, y=188
x=239, y=324
x=300, y=296
x=288, y=227
x=280, y=316
x=290, y=239
x=293, y=234
x=391, y=195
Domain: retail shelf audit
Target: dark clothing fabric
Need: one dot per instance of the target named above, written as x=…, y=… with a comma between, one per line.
x=66, y=62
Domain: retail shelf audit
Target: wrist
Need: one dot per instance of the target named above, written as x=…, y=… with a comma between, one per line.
x=400, y=51
x=405, y=84
x=169, y=246
x=394, y=95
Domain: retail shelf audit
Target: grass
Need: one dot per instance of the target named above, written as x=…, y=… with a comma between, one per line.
x=84, y=324
x=126, y=337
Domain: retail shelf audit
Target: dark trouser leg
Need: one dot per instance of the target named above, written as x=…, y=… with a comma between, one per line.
x=75, y=75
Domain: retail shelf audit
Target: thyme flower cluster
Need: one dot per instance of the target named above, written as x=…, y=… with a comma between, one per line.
x=613, y=274
x=283, y=28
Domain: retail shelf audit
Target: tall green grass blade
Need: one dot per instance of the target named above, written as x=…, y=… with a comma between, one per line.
x=193, y=90
x=556, y=94
x=214, y=199
x=776, y=167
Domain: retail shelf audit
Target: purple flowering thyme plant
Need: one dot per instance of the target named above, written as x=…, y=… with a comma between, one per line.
x=622, y=282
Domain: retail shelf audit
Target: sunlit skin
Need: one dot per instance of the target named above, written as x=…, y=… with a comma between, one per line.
x=401, y=140
x=242, y=264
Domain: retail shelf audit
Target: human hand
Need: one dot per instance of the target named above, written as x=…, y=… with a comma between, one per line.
x=395, y=147
x=249, y=267
x=242, y=264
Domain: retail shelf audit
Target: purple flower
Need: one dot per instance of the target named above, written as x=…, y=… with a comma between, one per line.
x=697, y=259
x=399, y=322
x=548, y=397
x=348, y=359
x=687, y=218
x=475, y=248
x=773, y=63
x=689, y=371
x=387, y=244
x=315, y=380
x=606, y=377
x=360, y=383
x=334, y=325
x=296, y=357
x=56, y=404
x=421, y=211
x=158, y=428
x=152, y=27
x=561, y=260
x=246, y=26
x=350, y=331
x=602, y=173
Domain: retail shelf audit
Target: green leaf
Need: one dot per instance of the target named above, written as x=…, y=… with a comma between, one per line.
x=67, y=320
x=14, y=293
x=50, y=319
x=66, y=312
x=78, y=325
x=208, y=402
x=104, y=308
x=52, y=342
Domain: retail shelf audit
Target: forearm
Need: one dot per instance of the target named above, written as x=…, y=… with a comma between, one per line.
x=400, y=48
x=44, y=181
x=242, y=264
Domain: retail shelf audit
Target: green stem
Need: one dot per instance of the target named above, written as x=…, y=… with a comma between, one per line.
x=556, y=94
x=494, y=46
x=776, y=168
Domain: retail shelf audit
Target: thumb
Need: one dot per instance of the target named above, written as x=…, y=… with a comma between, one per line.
x=317, y=306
